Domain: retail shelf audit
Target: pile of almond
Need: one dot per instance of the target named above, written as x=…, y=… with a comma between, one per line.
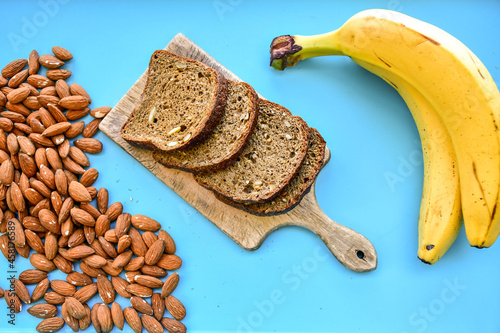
x=47, y=214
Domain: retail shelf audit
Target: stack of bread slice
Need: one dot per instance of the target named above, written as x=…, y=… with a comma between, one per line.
x=253, y=154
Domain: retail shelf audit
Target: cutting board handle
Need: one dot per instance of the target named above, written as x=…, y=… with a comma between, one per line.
x=351, y=248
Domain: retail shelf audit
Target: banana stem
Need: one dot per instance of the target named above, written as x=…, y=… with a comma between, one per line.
x=287, y=50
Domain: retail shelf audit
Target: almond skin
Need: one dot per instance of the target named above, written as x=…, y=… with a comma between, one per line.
x=62, y=53
x=40, y=290
x=75, y=308
x=151, y=324
x=120, y=286
x=133, y=319
x=43, y=310
x=50, y=325
x=175, y=307
x=117, y=315
x=32, y=276
x=62, y=287
x=141, y=305
x=105, y=289
x=145, y=223
x=104, y=317
x=172, y=325
x=78, y=192
x=158, y=305
x=85, y=293
x=170, y=284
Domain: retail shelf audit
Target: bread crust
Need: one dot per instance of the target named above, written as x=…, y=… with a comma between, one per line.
x=234, y=154
x=273, y=193
x=202, y=131
x=265, y=209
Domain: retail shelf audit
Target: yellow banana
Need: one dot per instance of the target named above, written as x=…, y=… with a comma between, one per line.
x=440, y=217
x=449, y=76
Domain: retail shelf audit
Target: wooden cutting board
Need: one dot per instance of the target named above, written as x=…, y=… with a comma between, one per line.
x=351, y=248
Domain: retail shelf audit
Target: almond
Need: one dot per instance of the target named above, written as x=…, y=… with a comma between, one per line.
x=151, y=324
x=155, y=252
x=154, y=271
x=77, y=114
x=104, y=317
x=75, y=129
x=62, y=287
x=145, y=223
x=133, y=319
x=89, y=145
x=148, y=281
x=89, y=177
x=81, y=216
x=175, y=307
x=41, y=262
x=78, y=156
x=71, y=321
x=98, y=249
x=13, y=301
x=56, y=129
x=78, y=279
x=91, y=129
x=130, y=276
x=79, y=192
x=122, y=260
x=18, y=95
x=141, y=305
x=21, y=291
x=78, y=90
x=105, y=289
x=135, y=264
x=170, y=284
x=50, y=325
x=40, y=290
x=85, y=293
x=110, y=270
x=43, y=310
x=169, y=262
x=62, y=53
x=51, y=245
x=63, y=264
x=72, y=166
x=49, y=61
x=137, y=246
x=40, y=81
x=170, y=247
x=34, y=241
x=123, y=243
x=48, y=220
x=63, y=148
x=54, y=298
x=158, y=305
x=100, y=112
x=75, y=308
x=120, y=286
x=74, y=102
x=95, y=261
x=172, y=325
x=94, y=317
x=58, y=74
x=102, y=203
x=85, y=322
x=149, y=238
x=33, y=64
x=19, y=78
x=139, y=290
x=117, y=315
x=14, y=67
x=27, y=164
x=80, y=251
x=107, y=247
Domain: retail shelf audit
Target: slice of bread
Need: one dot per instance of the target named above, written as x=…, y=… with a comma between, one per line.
x=268, y=163
x=228, y=139
x=181, y=104
x=291, y=195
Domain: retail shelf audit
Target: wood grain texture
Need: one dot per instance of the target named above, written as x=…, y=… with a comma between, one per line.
x=351, y=248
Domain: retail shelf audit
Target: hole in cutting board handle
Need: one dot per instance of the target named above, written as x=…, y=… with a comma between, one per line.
x=360, y=254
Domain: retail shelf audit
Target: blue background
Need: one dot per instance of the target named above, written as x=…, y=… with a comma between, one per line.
x=292, y=283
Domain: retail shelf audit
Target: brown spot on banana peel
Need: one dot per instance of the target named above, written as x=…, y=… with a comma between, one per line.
x=281, y=48
x=385, y=62
x=435, y=42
